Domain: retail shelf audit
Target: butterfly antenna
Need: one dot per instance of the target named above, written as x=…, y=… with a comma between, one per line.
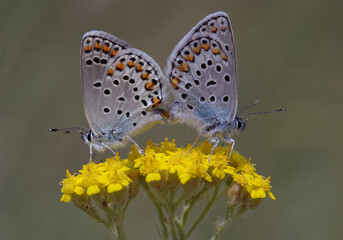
x=255, y=113
x=249, y=106
x=68, y=130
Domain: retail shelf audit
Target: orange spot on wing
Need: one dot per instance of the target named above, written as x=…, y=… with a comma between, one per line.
x=106, y=49
x=215, y=51
x=196, y=49
x=214, y=29
x=120, y=66
x=206, y=46
x=224, y=56
x=114, y=52
x=131, y=64
x=175, y=82
x=189, y=58
x=156, y=101
x=97, y=46
x=139, y=68
x=110, y=72
x=145, y=76
x=182, y=68
x=223, y=28
x=165, y=114
x=149, y=86
x=87, y=49
x=185, y=65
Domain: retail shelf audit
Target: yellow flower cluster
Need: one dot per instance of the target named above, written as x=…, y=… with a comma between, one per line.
x=166, y=162
x=255, y=184
x=111, y=175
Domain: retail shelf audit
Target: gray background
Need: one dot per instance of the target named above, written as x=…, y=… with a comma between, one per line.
x=289, y=55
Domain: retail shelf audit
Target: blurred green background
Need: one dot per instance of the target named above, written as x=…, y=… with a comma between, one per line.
x=289, y=55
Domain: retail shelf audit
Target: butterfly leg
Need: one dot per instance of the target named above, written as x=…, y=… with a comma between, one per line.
x=232, y=142
x=109, y=148
x=215, y=142
x=90, y=153
x=141, y=152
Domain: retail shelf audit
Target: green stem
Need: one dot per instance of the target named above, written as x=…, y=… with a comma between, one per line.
x=230, y=216
x=180, y=230
x=121, y=229
x=204, y=212
x=111, y=220
x=190, y=204
x=170, y=209
x=126, y=205
x=158, y=208
x=113, y=229
x=116, y=221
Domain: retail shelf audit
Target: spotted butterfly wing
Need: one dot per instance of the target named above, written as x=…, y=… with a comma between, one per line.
x=203, y=77
x=120, y=86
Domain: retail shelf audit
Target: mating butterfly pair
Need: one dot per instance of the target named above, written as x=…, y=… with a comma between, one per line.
x=123, y=86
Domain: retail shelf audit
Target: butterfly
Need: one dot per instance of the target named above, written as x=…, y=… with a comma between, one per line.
x=202, y=71
x=120, y=87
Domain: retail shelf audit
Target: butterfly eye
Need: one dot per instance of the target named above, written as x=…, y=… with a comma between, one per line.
x=239, y=124
x=89, y=136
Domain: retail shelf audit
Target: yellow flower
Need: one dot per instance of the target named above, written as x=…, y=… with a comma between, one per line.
x=177, y=177
x=175, y=159
x=167, y=146
x=151, y=165
x=96, y=177
x=237, y=159
x=90, y=177
x=114, y=176
x=195, y=165
x=255, y=184
x=165, y=161
x=69, y=185
x=219, y=162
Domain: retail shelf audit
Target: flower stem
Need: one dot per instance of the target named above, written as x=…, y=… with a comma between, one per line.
x=170, y=209
x=121, y=229
x=190, y=204
x=151, y=196
x=180, y=230
x=204, y=212
x=230, y=216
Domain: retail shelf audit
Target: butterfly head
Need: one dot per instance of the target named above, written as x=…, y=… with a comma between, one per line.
x=228, y=129
x=93, y=141
x=88, y=137
x=240, y=124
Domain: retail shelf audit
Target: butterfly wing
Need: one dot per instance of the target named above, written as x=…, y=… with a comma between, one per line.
x=203, y=74
x=120, y=86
